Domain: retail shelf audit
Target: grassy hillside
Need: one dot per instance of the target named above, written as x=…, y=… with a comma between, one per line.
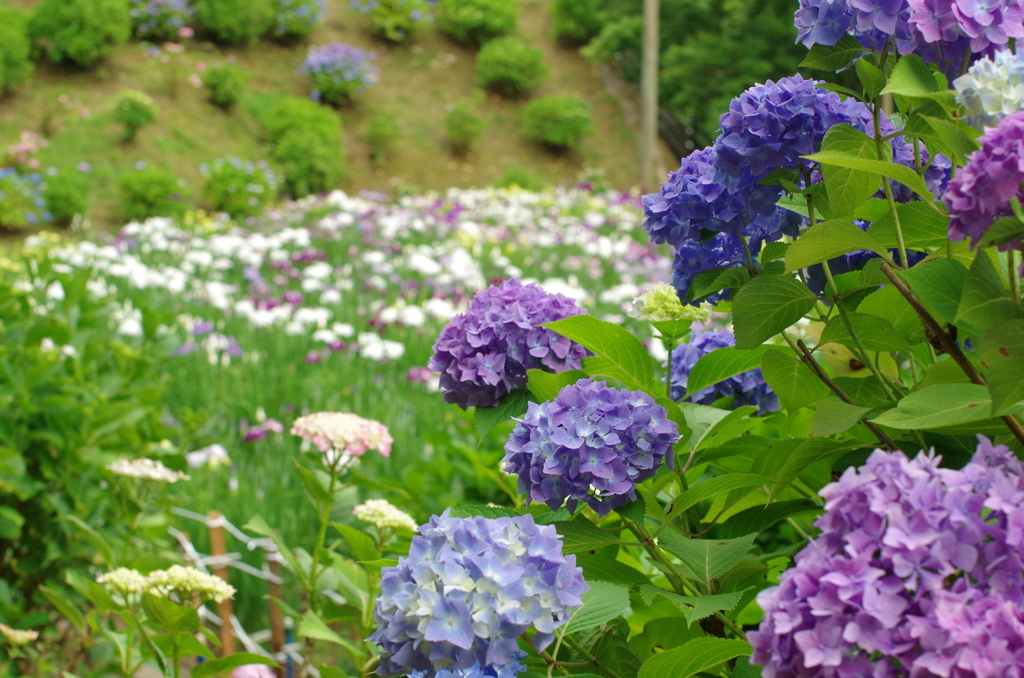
x=418, y=81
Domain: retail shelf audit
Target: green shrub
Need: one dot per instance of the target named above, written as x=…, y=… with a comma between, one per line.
x=294, y=112
x=309, y=165
x=66, y=194
x=575, y=22
x=134, y=110
x=295, y=18
x=21, y=200
x=558, y=121
x=395, y=20
x=520, y=177
x=225, y=83
x=151, y=192
x=463, y=126
x=384, y=129
x=79, y=31
x=242, y=189
x=509, y=67
x=474, y=22
x=15, y=66
x=235, y=22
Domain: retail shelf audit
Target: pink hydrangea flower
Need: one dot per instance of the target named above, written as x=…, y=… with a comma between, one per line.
x=341, y=435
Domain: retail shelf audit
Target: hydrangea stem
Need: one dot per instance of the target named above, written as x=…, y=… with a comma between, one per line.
x=324, y=511
x=876, y=113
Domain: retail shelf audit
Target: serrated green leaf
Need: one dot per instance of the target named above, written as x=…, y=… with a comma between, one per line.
x=582, y=535
x=485, y=511
x=872, y=79
x=774, y=251
x=166, y=616
x=888, y=303
x=985, y=301
x=833, y=57
x=622, y=355
x=546, y=386
x=1001, y=351
x=313, y=485
x=720, y=364
x=93, y=537
x=602, y=603
x=717, y=279
x=600, y=568
x=911, y=78
x=312, y=626
x=512, y=404
x=361, y=545
x=713, y=487
x=904, y=175
x=60, y=601
x=920, y=224
x=794, y=383
x=757, y=519
x=832, y=415
x=211, y=668
x=945, y=372
x=943, y=405
x=804, y=455
x=766, y=306
x=695, y=608
x=849, y=188
x=708, y=558
x=938, y=283
x=672, y=330
x=732, y=425
x=876, y=334
x=634, y=510
x=1003, y=230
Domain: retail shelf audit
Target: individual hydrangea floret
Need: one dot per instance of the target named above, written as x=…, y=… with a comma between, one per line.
x=661, y=303
x=747, y=388
x=342, y=436
x=992, y=88
x=510, y=670
x=592, y=443
x=18, y=637
x=981, y=191
x=146, y=469
x=186, y=582
x=485, y=352
x=382, y=515
x=468, y=590
x=917, y=571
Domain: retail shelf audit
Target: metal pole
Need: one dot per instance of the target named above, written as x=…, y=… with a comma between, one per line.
x=274, y=588
x=649, y=97
x=219, y=548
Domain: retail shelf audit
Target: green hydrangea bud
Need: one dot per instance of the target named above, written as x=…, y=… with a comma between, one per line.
x=661, y=303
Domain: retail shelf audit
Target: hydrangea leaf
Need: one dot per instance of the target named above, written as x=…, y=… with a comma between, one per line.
x=1003, y=230
x=545, y=386
x=766, y=306
x=600, y=568
x=871, y=77
x=693, y=657
x=695, y=608
x=713, y=487
x=313, y=485
x=849, y=188
x=833, y=57
x=875, y=333
x=708, y=558
x=943, y=405
x=985, y=301
x=634, y=510
x=312, y=626
x=485, y=511
x=827, y=240
x=168, y=616
x=904, y=175
x=602, y=603
x=939, y=284
x=946, y=372
x=888, y=303
x=717, y=279
x=672, y=330
x=921, y=226
x=832, y=415
x=794, y=383
x=911, y=78
x=759, y=518
x=615, y=653
x=361, y=545
x=582, y=535
x=621, y=354
x=512, y=404
x=1002, y=359
x=731, y=426
x=721, y=364
x=60, y=600
x=213, y=667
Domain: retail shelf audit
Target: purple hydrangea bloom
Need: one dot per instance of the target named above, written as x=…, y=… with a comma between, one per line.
x=917, y=572
x=340, y=71
x=747, y=388
x=592, y=443
x=468, y=589
x=980, y=192
x=510, y=670
x=485, y=352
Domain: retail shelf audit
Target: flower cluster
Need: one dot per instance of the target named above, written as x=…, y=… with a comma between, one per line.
x=992, y=88
x=510, y=670
x=468, y=589
x=661, y=303
x=295, y=18
x=917, y=571
x=747, y=388
x=342, y=436
x=981, y=191
x=21, y=199
x=381, y=514
x=339, y=71
x=160, y=20
x=21, y=154
x=124, y=582
x=145, y=469
x=485, y=352
x=592, y=443
x=18, y=637
x=394, y=20
x=184, y=582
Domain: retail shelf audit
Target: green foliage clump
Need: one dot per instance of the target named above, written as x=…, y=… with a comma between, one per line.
x=575, y=22
x=307, y=145
x=519, y=177
x=21, y=202
x=293, y=19
x=66, y=195
x=559, y=121
x=235, y=22
x=225, y=82
x=79, y=32
x=134, y=110
x=509, y=67
x=463, y=126
x=294, y=112
x=242, y=189
x=396, y=20
x=15, y=66
x=474, y=22
x=384, y=129
x=151, y=192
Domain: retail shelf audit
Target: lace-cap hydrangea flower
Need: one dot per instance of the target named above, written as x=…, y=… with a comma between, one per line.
x=992, y=88
x=381, y=514
x=592, y=443
x=342, y=436
x=188, y=581
x=661, y=303
x=747, y=388
x=146, y=469
x=468, y=589
x=917, y=572
x=485, y=352
x=510, y=670
x=124, y=582
x=980, y=192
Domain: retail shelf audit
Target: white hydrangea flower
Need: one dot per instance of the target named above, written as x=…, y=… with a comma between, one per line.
x=124, y=582
x=146, y=469
x=381, y=514
x=992, y=89
x=18, y=637
x=186, y=581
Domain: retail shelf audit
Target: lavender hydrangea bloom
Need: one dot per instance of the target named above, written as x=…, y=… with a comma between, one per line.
x=510, y=670
x=917, y=572
x=591, y=443
x=485, y=352
x=980, y=192
x=747, y=388
x=339, y=71
x=468, y=589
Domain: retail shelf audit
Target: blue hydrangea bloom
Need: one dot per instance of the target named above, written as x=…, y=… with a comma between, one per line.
x=510, y=670
x=592, y=443
x=747, y=388
x=485, y=352
x=468, y=589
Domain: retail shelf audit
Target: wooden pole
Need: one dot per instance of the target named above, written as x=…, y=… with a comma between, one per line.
x=274, y=588
x=649, y=97
x=219, y=549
